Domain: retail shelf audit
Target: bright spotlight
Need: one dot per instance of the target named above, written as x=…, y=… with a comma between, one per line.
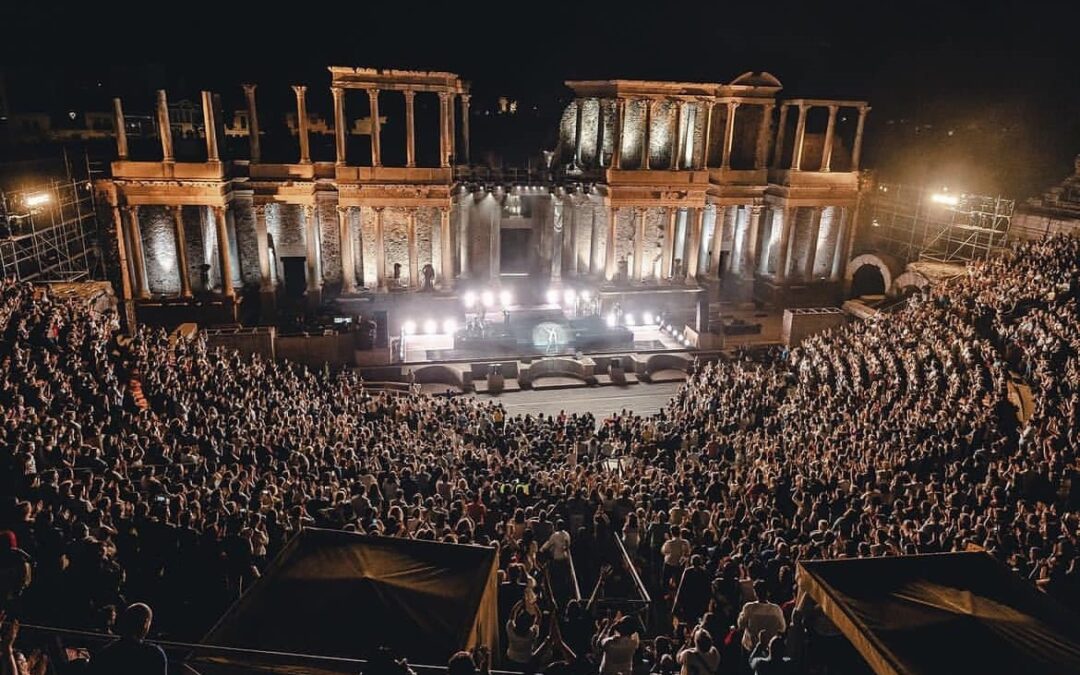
x=942, y=198
x=647, y=319
x=470, y=300
x=552, y=296
x=505, y=298
x=586, y=295
x=568, y=296
x=611, y=321
x=629, y=319
x=409, y=327
x=37, y=199
x=487, y=298
x=449, y=326
x=430, y=326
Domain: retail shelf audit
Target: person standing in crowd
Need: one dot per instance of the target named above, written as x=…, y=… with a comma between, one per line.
x=131, y=653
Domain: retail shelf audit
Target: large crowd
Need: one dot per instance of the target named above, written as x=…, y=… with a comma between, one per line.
x=886, y=437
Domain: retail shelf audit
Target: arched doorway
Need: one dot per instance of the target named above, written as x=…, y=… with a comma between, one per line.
x=867, y=280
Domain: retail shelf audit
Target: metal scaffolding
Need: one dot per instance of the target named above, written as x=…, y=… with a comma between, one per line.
x=940, y=226
x=47, y=233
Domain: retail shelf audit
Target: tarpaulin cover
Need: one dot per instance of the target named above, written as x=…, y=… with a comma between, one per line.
x=945, y=613
x=342, y=594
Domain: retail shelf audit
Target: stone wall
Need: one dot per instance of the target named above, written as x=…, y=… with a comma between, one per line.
x=159, y=249
x=366, y=226
x=655, y=231
x=329, y=240
x=247, y=244
x=633, y=122
x=661, y=131
x=396, y=240
x=624, y=237
x=831, y=217
x=427, y=227
x=194, y=233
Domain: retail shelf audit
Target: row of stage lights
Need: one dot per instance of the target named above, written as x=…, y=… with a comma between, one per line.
x=487, y=299
x=670, y=329
x=430, y=326
x=630, y=320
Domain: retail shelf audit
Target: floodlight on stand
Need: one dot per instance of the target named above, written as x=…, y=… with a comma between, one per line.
x=943, y=198
x=37, y=199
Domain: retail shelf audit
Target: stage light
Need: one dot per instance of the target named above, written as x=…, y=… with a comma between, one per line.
x=409, y=327
x=487, y=298
x=430, y=326
x=552, y=296
x=37, y=199
x=449, y=326
x=647, y=319
x=469, y=300
x=505, y=298
x=942, y=198
x=586, y=295
x=611, y=321
x=568, y=296
x=629, y=319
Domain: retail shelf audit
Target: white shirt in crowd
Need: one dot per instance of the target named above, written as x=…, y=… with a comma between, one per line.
x=559, y=545
x=760, y=616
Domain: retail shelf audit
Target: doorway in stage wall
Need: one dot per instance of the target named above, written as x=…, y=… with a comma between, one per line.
x=295, y=276
x=514, y=251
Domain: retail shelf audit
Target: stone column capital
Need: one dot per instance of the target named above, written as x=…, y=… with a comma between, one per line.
x=803, y=107
x=372, y=93
x=444, y=96
x=756, y=210
x=249, y=88
x=733, y=104
x=833, y=108
x=342, y=209
x=299, y=89
x=409, y=94
x=466, y=97
x=177, y=209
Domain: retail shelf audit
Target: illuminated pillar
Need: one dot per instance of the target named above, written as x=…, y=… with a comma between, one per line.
x=348, y=262
x=380, y=248
x=446, y=277
x=600, y=133
x=840, y=244
x=719, y=223
x=339, y=125
x=676, y=141
x=413, y=251
x=830, y=130
x=495, y=246
x=646, y=151
x=694, y=251
x=580, y=105
x=729, y=134
x=464, y=245
x=302, y=122
x=224, y=257
x=253, y=124
x=800, y=136
x=781, y=132
x=311, y=241
x=667, y=251
x=210, y=127
x=709, y=105
x=594, y=241
x=783, y=252
x=410, y=128
x=465, y=127
x=609, y=254
x=856, y=152
x=266, y=279
x=750, y=248
x=376, y=127
x=617, y=135
x=121, y=130
x=639, y=245
x=762, y=148
x=181, y=251
x=444, y=142
x=164, y=127
x=812, y=243
x=122, y=252
x=138, y=261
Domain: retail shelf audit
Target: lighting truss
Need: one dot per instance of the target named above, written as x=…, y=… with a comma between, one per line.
x=47, y=232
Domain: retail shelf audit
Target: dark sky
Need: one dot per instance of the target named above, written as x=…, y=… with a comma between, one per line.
x=1005, y=75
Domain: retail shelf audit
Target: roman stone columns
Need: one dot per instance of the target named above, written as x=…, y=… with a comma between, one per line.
x=839, y=250
x=121, y=130
x=380, y=248
x=609, y=256
x=781, y=133
x=410, y=128
x=639, y=245
x=784, y=243
x=164, y=127
x=224, y=257
x=719, y=225
x=762, y=149
x=750, y=247
x=253, y=124
x=800, y=136
x=465, y=125
x=830, y=131
x=693, y=251
x=210, y=127
x=812, y=241
x=594, y=242
x=266, y=279
x=617, y=137
x=339, y=125
x=312, y=247
x=729, y=134
x=600, y=132
x=444, y=130
x=348, y=261
x=676, y=143
x=709, y=105
x=446, y=249
x=138, y=261
x=646, y=150
x=181, y=251
x=580, y=109
x=856, y=152
x=302, y=123
x=667, y=250
x=376, y=127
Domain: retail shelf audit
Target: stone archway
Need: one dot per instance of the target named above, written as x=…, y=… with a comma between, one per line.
x=909, y=280
x=884, y=264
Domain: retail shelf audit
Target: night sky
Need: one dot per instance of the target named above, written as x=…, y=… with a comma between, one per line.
x=1003, y=77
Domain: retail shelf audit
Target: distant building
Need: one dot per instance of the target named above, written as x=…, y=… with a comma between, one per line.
x=1056, y=210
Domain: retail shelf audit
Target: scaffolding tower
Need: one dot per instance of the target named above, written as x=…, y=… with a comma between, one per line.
x=940, y=226
x=47, y=233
